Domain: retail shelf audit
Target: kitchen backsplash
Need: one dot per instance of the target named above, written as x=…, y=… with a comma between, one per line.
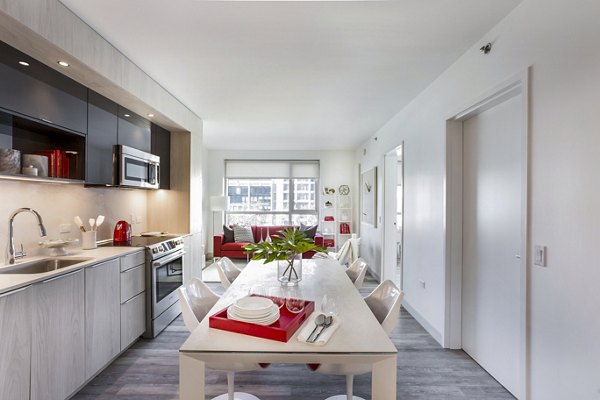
x=58, y=204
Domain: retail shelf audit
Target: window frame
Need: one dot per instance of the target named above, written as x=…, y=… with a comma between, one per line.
x=291, y=200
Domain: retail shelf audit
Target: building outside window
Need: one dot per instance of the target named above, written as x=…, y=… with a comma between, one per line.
x=289, y=197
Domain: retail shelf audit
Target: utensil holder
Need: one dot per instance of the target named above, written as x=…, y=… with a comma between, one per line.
x=88, y=240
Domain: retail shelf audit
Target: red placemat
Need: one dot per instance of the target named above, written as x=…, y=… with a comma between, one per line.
x=281, y=330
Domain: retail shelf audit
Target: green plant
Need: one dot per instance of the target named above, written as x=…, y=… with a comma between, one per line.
x=284, y=246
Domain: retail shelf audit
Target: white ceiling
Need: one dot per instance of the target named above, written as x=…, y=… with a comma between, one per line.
x=292, y=75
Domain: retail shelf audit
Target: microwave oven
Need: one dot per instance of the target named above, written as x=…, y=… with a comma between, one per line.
x=136, y=168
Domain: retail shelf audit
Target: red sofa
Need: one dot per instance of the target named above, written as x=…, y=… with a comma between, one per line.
x=235, y=250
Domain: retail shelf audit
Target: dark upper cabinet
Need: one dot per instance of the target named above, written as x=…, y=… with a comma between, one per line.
x=102, y=135
x=134, y=131
x=161, y=146
x=39, y=92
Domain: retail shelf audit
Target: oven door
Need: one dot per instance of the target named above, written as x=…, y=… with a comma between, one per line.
x=167, y=277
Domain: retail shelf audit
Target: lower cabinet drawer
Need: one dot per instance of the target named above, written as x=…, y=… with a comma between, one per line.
x=133, y=282
x=133, y=319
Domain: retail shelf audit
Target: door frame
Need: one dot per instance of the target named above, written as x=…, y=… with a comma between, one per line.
x=389, y=272
x=517, y=85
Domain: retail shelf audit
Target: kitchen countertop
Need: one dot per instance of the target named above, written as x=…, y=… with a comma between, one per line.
x=10, y=282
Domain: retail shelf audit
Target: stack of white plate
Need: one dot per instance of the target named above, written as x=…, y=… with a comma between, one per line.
x=255, y=310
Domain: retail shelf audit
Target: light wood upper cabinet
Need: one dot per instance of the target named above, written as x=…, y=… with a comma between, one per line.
x=15, y=344
x=58, y=342
x=102, y=315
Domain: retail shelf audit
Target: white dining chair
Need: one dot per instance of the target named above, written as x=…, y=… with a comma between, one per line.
x=196, y=301
x=227, y=271
x=384, y=302
x=339, y=256
x=357, y=271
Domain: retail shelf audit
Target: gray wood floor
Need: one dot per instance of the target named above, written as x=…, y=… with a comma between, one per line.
x=149, y=370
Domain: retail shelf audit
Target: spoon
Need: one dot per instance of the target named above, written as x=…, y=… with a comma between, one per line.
x=79, y=223
x=319, y=321
x=327, y=324
x=92, y=222
x=99, y=221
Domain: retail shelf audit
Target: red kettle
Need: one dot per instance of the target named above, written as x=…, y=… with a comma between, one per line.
x=122, y=233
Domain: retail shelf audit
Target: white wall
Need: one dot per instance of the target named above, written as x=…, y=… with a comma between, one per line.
x=336, y=168
x=560, y=41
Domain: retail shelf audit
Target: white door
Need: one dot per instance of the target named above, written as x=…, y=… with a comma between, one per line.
x=491, y=300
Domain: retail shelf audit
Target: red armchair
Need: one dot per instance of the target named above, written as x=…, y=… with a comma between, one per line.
x=235, y=250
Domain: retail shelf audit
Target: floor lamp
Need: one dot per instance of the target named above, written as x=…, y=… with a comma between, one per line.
x=217, y=204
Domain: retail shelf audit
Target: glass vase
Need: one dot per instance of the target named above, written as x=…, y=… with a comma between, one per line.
x=289, y=272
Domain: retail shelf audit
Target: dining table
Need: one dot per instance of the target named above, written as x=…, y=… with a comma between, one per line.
x=358, y=339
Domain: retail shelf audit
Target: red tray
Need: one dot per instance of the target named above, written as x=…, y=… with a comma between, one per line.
x=281, y=330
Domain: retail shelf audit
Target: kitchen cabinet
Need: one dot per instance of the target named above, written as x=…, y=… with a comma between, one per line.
x=133, y=130
x=161, y=146
x=133, y=298
x=58, y=342
x=40, y=92
x=133, y=319
x=102, y=315
x=101, y=137
x=15, y=344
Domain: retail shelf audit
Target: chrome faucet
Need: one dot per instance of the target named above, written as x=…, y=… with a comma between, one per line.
x=11, y=245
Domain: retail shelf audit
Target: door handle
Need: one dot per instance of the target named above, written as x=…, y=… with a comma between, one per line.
x=518, y=256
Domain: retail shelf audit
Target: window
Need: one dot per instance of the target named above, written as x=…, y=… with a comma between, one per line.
x=272, y=192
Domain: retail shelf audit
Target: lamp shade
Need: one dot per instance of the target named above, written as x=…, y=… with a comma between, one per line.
x=218, y=203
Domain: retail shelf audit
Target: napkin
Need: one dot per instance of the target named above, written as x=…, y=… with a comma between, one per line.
x=325, y=336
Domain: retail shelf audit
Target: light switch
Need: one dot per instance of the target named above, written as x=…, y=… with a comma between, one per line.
x=422, y=282
x=539, y=257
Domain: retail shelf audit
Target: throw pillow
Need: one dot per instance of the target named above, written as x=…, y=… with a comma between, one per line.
x=242, y=234
x=309, y=231
x=228, y=234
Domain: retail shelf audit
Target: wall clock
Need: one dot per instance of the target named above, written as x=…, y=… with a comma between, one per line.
x=344, y=190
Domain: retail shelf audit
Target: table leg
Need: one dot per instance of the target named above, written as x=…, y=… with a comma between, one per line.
x=383, y=385
x=191, y=378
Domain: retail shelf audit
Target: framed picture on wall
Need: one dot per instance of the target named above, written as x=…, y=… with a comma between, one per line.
x=368, y=192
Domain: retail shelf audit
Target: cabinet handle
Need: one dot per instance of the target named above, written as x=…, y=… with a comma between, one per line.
x=47, y=120
x=99, y=264
x=14, y=291
x=131, y=299
x=62, y=276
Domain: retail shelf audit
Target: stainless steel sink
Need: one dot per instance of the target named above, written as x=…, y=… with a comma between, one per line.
x=41, y=266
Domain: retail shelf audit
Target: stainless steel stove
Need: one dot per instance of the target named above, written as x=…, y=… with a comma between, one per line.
x=164, y=275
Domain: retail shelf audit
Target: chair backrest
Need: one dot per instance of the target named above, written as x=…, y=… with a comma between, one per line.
x=357, y=271
x=342, y=254
x=196, y=300
x=384, y=301
x=354, y=249
x=227, y=271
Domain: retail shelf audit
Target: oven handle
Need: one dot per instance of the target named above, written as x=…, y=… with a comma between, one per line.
x=167, y=260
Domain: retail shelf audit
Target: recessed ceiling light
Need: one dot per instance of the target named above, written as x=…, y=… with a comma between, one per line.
x=126, y=115
x=151, y=115
x=63, y=63
x=24, y=63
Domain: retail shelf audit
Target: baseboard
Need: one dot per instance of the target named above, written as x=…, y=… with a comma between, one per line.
x=423, y=322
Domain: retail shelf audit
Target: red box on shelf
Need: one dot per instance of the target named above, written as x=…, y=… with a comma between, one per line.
x=329, y=242
x=281, y=330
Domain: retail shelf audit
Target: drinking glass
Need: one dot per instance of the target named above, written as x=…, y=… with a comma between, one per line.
x=275, y=294
x=329, y=305
x=293, y=302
